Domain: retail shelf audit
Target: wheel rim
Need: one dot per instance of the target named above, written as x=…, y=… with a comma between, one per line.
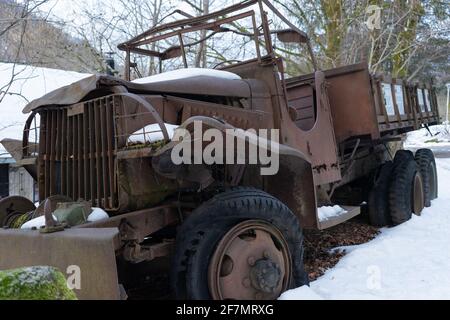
x=418, y=200
x=252, y=261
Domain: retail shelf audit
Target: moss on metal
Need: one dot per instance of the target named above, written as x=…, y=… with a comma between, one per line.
x=139, y=185
x=34, y=283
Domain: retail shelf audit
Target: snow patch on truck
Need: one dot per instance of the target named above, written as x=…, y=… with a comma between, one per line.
x=186, y=74
x=328, y=213
x=37, y=223
x=97, y=214
x=152, y=133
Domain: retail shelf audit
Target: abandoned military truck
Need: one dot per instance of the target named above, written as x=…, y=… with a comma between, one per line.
x=104, y=145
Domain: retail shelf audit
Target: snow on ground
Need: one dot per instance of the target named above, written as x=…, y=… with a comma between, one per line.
x=188, y=73
x=410, y=261
x=328, y=213
x=30, y=83
x=438, y=139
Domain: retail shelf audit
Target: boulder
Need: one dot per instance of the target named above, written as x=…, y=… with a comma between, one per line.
x=34, y=283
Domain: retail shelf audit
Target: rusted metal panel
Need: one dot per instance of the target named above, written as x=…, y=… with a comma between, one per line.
x=351, y=101
x=304, y=135
x=86, y=153
x=92, y=176
x=110, y=152
x=142, y=222
x=75, y=110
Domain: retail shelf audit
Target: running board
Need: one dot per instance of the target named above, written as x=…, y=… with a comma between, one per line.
x=350, y=212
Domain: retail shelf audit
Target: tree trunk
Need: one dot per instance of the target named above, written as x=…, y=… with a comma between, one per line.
x=201, y=59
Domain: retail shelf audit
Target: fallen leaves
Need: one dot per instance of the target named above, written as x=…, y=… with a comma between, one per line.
x=320, y=246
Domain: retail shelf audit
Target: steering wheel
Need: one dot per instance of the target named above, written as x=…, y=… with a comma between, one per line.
x=226, y=61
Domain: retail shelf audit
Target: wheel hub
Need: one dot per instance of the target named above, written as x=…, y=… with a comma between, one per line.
x=252, y=261
x=266, y=276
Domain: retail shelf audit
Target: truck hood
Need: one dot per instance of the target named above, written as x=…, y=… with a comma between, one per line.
x=210, y=82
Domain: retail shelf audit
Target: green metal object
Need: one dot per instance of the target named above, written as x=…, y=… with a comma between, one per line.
x=72, y=213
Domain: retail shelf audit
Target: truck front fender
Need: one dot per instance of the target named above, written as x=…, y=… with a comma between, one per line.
x=294, y=186
x=292, y=183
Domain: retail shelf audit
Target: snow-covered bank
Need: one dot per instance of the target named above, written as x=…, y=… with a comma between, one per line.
x=29, y=83
x=439, y=137
x=411, y=261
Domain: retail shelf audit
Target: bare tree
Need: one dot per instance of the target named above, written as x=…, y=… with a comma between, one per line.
x=14, y=19
x=107, y=24
x=340, y=35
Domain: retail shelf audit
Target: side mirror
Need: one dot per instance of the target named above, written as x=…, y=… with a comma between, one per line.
x=291, y=36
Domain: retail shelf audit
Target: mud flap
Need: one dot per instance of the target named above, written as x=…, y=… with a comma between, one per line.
x=85, y=253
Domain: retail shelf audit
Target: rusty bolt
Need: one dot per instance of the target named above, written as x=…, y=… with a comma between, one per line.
x=266, y=255
x=251, y=261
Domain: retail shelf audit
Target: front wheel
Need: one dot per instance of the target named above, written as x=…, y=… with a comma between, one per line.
x=241, y=245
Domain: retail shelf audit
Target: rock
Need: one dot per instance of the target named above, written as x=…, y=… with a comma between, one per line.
x=34, y=283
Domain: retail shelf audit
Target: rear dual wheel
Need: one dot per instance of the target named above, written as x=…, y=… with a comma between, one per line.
x=402, y=187
x=241, y=245
x=378, y=204
x=406, y=192
x=427, y=166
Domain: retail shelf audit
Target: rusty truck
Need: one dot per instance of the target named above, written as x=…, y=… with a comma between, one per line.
x=221, y=230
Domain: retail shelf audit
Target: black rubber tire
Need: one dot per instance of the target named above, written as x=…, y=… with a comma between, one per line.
x=378, y=203
x=402, y=156
x=200, y=233
x=427, y=166
x=400, y=191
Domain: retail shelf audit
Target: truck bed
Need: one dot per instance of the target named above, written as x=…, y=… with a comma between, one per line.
x=365, y=105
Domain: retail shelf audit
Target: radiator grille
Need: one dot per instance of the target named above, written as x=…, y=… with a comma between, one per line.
x=78, y=152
